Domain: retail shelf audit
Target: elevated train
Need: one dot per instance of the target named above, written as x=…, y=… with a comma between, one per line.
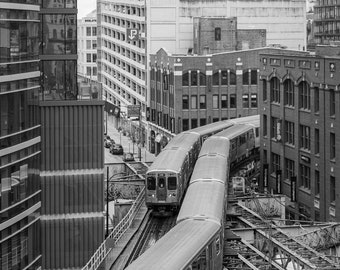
x=196, y=241
x=167, y=178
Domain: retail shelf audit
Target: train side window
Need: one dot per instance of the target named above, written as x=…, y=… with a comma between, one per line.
x=172, y=183
x=161, y=182
x=151, y=183
x=257, y=130
x=218, y=246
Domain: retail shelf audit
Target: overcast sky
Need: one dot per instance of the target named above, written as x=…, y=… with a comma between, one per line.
x=85, y=7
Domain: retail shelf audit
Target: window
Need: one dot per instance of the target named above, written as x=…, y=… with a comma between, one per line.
x=88, y=31
x=332, y=146
x=216, y=78
x=88, y=44
x=215, y=102
x=185, y=103
x=88, y=58
x=304, y=96
x=151, y=183
x=245, y=77
x=233, y=101
x=203, y=104
x=224, y=101
x=316, y=100
x=265, y=125
x=218, y=246
x=305, y=176
x=331, y=102
x=194, y=78
x=94, y=31
x=288, y=88
x=172, y=183
x=193, y=123
x=203, y=122
x=317, y=142
x=289, y=169
x=276, y=161
x=317, y=183
x=245, y=100
x=94, y=58
x=276, y=128
x=88, y=71
x=304, y=137
x=264, y=90
x=332, y=189
x=254, y=100
x=185, y=79
x=275, y=90
x=94, y=44
x=289, y=133
x=253, y=77
x=203, y=80
x=193, y=102
x=232, y=77
x=185, y=124
x=217, y=33
x=224, y=77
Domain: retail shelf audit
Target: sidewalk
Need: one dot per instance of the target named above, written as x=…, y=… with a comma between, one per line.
x=126, y=142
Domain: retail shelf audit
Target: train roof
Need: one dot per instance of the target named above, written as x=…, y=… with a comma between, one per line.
x=210, y=167
x=245, y=120
x=177, y=248
x=215, y=145
x=200, y=204
x=169, y=160
x=233, y=132
x=182, y=140
x=213, y=127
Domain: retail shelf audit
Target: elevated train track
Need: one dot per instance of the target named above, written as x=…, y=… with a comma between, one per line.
x=281, y=248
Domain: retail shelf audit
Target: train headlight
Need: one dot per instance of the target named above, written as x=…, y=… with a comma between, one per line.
x=172, y=195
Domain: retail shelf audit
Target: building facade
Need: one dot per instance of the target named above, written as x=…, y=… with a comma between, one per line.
x=87, y=46
x=189, y=91
x=300, y=132
x=20, y=136
x=327, y=21
x=72, y=221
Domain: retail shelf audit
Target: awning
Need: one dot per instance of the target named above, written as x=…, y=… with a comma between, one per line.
x=158, y=138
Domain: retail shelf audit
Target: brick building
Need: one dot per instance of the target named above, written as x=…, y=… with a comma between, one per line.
x=300, y=132
x=190, y=91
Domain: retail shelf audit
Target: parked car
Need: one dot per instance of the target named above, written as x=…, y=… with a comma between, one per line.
x=128, y=157
x=116, y=149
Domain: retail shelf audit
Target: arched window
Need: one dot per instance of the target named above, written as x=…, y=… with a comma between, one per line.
x=288, y=88
x=216, y=78
x=185, y=79
x=275, y=90
x=202, y=78
x=194, y=80
x=224, y=77
x=304, y=96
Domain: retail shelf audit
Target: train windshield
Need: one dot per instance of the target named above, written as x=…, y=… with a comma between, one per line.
x=161, y=182
x=172, y=183
x=151, y=183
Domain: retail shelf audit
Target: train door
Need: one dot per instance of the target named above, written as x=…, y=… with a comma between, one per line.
x=161, y=187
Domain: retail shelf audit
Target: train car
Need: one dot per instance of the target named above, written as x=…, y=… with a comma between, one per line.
x=190, y=245
x=172, y=168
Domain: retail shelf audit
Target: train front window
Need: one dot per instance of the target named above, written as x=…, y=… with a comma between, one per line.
x=161, y=182
x=172, y=183
x=151, y=183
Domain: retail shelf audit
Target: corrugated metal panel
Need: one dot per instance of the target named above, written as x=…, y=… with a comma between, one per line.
x=71, y=242
x=72, y=137
x=72, y=194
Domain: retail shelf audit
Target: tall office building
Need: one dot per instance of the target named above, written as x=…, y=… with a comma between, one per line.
x=87, y=47
x=72, y=221
x=20, y=140
x=51, y=144
x=327, y=21
x=129, y=31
